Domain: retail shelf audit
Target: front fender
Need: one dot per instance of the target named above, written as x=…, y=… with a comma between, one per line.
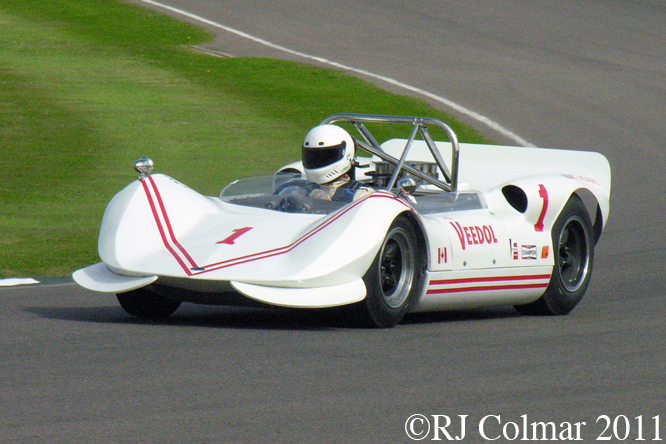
x=141, y=226
x=342, y=248
x=159, y=227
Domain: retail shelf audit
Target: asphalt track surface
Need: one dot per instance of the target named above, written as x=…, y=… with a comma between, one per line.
x=579, y=75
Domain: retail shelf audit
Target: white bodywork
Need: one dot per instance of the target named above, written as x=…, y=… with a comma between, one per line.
x=480, y=249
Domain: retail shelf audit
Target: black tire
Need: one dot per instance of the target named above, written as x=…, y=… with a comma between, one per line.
x=395, y=279
x=573, y=245
x=145, y=303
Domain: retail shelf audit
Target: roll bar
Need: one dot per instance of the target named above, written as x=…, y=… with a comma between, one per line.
x=420, y=125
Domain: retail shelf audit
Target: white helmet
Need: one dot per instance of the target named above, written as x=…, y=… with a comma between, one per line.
x=328, y=153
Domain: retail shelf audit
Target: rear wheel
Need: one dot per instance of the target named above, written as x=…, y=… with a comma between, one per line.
x=145, y=303
x=573, y=244
x=394, y=280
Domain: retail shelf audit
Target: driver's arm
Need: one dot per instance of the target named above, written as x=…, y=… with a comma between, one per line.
x=320, y=194
x=362, y=192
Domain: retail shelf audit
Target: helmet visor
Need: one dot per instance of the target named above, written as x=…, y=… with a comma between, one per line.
x=318, y=157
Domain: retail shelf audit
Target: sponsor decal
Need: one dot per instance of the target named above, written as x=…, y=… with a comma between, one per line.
x=442, y=255
x=587, y=179
x=528, y=252
x=474, y=235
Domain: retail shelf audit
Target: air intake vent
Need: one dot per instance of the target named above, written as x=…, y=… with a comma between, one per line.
x=516, y=197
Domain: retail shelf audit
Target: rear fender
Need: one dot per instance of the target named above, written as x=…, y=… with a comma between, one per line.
x=541, y=198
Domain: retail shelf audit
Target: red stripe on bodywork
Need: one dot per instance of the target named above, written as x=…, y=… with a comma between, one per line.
x=242, y=259
x=161, y=230
x=490, y=279
x=486, y=288
x=168, y=224
x=500, y=281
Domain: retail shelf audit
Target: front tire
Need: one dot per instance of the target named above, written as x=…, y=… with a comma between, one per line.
x=144, y=303
x=395, y=278
x=573, y=245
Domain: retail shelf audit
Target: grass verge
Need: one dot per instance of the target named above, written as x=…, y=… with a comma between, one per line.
x=88, y=86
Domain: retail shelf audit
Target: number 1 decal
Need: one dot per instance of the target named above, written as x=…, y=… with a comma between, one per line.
x=543, y=194
x=237, y=233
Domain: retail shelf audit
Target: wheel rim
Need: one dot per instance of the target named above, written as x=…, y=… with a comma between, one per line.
x=396, y=268
x=574, y=254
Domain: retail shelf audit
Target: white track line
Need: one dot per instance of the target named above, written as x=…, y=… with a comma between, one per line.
x=459, y=108
x=17, y=281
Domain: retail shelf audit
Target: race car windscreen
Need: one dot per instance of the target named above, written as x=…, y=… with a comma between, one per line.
x=285, y=192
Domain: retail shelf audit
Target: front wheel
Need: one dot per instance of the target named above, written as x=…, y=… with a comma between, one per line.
x=144, y=303
x=573, y=244
x=394, y=280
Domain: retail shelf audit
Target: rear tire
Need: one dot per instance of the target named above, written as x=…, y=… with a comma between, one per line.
x=144, y=303
x=573, y=247
x=395, y=279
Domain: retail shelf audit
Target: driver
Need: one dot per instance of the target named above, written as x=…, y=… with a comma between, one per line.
x=329, y=160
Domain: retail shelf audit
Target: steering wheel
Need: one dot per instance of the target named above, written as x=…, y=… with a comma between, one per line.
x=304, y=186
x=293, y=204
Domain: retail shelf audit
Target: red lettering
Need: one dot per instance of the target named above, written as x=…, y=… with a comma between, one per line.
x=487, y=235
x=469, y=236
x=479, y=234
x=474, y=235
x=459, y=231
x=492, y=233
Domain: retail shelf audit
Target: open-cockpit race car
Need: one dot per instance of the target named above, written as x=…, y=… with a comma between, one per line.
x=439, y=225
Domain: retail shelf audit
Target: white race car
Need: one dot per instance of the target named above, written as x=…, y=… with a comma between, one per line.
x=490, y=225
